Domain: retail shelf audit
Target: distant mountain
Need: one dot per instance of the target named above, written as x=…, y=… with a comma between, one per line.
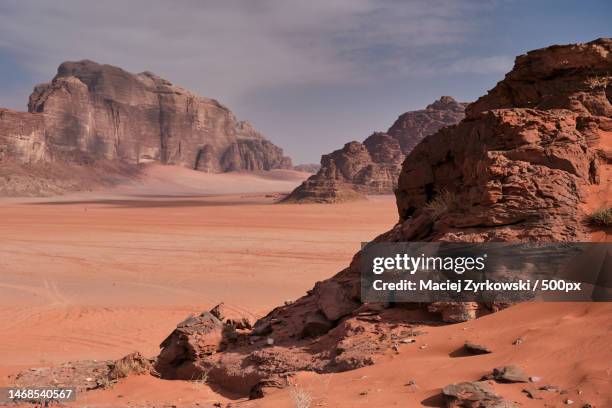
x=373, y=167
x=308, y=167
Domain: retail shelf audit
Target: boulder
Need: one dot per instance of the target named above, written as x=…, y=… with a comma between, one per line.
x=193, y=338
x=335, y=301
x=478, y=394
x=474, y=348
x=316, y=325
x=509, y=374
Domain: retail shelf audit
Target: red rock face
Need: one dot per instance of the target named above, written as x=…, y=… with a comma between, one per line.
x=573, y=77
x=104, y=112
x=22, y=136
x=372, y=167
x=411, y=127
x=517, y=168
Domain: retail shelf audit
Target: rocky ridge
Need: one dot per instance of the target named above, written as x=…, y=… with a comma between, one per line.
x=373, y=167
x=517, y=168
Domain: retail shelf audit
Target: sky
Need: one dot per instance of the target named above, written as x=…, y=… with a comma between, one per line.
x=310, y=75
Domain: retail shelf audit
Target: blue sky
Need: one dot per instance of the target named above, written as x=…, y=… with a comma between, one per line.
x=310, y=75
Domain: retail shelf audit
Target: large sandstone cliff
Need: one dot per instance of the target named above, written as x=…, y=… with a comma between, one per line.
x=92, y=112
x=372, y=167
x=520, y=167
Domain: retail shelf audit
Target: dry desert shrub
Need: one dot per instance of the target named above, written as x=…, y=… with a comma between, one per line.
x=598, y=81
x=301, y=398
x=133, y=363
x=601, y=217
x=202, y=380
x=441, y=203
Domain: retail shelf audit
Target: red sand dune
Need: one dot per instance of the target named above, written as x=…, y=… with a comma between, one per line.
x=565, y=344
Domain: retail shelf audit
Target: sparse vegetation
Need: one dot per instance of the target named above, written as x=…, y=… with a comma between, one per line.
x=202, y=380
x=598, y=81
x=441, y=203
x=130, y=364
x=601, y=217
x=121, y=369
x=301, y=398
x=104, y=382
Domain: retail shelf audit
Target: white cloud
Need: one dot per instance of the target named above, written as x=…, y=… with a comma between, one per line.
x=226, y=49
x=309, y=74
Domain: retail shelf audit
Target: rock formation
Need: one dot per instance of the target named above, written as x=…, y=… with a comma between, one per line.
x=22, y=135
x=92, y=112
x=476, y=394
x=517, y=168
x=308, y=167
x=372, y=167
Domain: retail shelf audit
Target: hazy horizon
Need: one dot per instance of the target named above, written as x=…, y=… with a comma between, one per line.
x=310, y=77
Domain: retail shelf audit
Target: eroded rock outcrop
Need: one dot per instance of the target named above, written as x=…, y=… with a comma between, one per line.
x=28, y=168
x=247, y=361
x=520, y=172
x=372, y=167
x=308, y=167
x=92, y=112
x=22, y=136
x=84, y=375
x=517, y=168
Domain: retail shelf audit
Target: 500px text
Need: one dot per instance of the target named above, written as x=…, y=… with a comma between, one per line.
x=468, y=285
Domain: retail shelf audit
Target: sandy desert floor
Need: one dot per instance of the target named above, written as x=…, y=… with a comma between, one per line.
x=565, y=344
x=98, y=275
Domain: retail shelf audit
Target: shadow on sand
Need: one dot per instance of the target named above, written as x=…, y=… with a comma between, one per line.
x=156, y=202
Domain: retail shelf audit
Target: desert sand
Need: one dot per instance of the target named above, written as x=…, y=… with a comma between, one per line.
x=564, y=344
x=98, y=275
